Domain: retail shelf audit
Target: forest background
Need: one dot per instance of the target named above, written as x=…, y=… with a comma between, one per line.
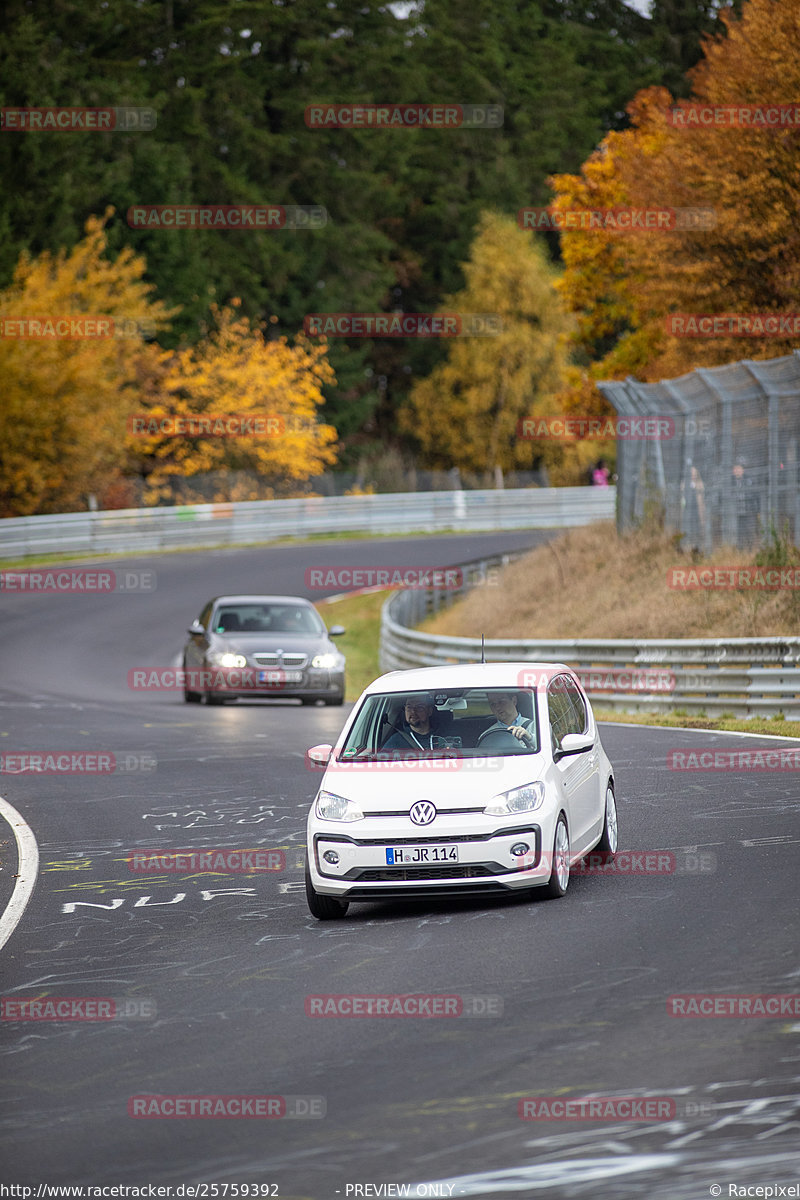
x=418, y=221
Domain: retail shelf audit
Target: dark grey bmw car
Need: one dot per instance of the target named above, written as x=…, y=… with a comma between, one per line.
x=262, y=646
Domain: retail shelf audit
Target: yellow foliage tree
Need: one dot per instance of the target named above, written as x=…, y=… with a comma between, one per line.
x=466, y=412
x=65, y=393
x=233, y=372
x=623, y=286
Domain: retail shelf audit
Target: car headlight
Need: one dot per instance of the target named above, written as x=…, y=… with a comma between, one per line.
x=518, y=800
x=326, y=661
x=227, y=659
x=331, y=807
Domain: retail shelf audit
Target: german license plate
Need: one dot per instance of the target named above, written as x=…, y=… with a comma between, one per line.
x=277, y=676
x=420, y=856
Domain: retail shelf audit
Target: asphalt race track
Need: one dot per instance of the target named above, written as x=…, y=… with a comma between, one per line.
x=215, y=969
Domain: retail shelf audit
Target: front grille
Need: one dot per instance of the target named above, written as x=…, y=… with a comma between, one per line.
x=400, y=874
x=430, y=891
x=268, y=658
x=422, y=840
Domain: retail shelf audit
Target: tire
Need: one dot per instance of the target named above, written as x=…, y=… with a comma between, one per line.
x=558, y=882
x=212, y=699
x=335, y=701
x=308, y=700
x=324, y=908
x=190, y=697
x=609, y=838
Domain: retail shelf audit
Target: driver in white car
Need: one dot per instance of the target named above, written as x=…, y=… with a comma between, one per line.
x=508, y=719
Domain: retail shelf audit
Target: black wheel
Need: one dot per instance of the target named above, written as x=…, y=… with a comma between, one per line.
x=306, y=700
x=324, y=908
x=335, y=701
x=190, y=697
x=213, y=699
x=558, y=882
x=609, y=839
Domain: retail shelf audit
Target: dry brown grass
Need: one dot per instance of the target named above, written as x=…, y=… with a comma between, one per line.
x=590, y=583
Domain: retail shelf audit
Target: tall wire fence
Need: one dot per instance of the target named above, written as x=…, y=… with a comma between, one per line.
x=725, y=464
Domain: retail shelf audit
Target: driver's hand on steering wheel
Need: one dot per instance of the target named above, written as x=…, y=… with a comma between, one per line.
x=519, y=732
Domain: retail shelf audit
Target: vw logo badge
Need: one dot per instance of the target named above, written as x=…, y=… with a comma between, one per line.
x=422, y=813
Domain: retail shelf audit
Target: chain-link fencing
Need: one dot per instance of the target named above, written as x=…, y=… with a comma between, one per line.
x=725, y=466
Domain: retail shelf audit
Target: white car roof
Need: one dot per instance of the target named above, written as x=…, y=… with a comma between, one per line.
x=511, y=675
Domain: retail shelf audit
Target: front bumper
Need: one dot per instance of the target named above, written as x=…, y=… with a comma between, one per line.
x=244, y=683
x=485, y=863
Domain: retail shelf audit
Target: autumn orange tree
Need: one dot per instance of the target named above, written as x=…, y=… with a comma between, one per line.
x=271, y=389
x=623, y=286
x=73, y=327
x=466, y=412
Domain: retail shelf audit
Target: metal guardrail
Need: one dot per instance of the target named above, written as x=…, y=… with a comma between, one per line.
x=744, y=676
x=140, y=530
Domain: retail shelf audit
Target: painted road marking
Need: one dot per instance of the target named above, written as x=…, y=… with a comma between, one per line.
x=28, y=859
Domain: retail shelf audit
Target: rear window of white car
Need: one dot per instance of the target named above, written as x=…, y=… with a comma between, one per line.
x=461, y=723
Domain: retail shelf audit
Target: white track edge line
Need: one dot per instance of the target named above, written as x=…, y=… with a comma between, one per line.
x=27, y=870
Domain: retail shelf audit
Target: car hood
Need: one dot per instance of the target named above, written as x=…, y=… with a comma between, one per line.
x=247, y=642
x=451, y=783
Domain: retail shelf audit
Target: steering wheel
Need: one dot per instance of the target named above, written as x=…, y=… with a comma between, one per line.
x=500, y=739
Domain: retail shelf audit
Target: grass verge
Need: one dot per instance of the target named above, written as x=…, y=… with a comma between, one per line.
x=361, y=617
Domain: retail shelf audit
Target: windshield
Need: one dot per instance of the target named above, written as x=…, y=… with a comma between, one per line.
x=445, y=723
x=266, y=618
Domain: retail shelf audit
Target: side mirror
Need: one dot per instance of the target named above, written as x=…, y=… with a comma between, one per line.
x=574, y=743
x=336, y=631
x=318, y=757
x=195, y=629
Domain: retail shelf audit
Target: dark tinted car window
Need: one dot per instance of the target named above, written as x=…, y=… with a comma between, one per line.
x=566, y=709
x=580, y=722
x=267, y=618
